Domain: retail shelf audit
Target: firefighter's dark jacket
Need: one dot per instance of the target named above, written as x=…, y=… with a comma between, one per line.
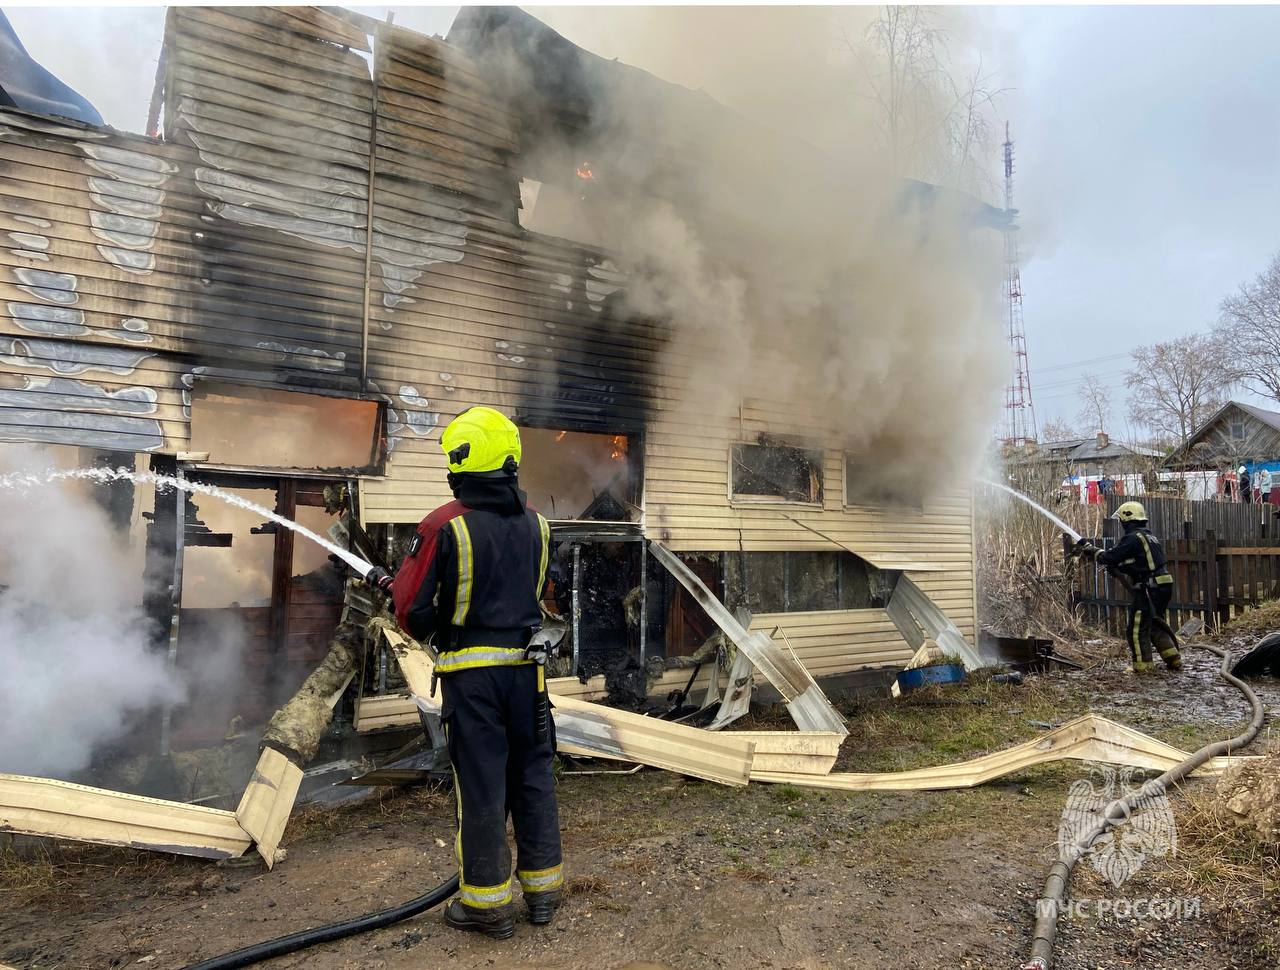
x=1138, y=556
x=474, y=575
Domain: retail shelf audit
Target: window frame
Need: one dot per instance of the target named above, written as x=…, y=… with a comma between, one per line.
x=915, y=506
x=746, y=499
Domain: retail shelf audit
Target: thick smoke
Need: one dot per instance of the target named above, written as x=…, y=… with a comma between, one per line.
x=801, y=273
x=75, y=646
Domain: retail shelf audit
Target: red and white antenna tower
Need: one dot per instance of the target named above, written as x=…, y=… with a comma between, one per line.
x=1020, y=413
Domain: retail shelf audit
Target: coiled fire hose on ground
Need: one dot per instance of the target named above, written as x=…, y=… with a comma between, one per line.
x=1055, y=884
x=258, y=952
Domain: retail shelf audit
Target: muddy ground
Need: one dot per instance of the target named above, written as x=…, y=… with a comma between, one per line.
x=685, y=874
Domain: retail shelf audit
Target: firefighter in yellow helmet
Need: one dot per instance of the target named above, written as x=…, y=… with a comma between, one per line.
x=472, y=580
x=1139, y=559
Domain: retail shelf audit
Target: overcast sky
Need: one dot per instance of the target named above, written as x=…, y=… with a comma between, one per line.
x=1147, y=144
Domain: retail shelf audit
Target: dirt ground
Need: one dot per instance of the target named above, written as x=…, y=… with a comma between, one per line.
x=684, y=874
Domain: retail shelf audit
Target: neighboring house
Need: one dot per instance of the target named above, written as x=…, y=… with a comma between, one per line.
x=211, y=303
x=1236, y=434
x=1096, y=456
x=1091, y=466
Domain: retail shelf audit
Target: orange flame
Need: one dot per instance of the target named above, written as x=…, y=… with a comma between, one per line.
x=560, y=436
x=584, y=171
x=619, y=447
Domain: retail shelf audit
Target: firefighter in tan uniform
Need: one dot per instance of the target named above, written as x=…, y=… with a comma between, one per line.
x=472, y=580
x=1139, y=559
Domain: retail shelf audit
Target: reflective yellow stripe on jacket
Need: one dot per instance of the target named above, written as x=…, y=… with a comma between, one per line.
x=1151, y=560
x=466, y=569
x=545, y=530
x=469, y=657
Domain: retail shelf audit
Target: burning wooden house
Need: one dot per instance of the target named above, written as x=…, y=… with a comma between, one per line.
x=338, y=238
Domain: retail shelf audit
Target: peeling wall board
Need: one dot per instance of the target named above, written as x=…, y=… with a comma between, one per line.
x=187, y=36
x=794, y=752
x=415, y=663
x=293, y=31
x=935, y=623
x=234, y=93
x=805, y=700
x=267, y=802
x=1087, y=738
x=61, y=810
x=718, y=757
x=387, y=711
x=737, y=694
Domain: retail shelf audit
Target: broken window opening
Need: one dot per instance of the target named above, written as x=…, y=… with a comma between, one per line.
x=579, y=476
x=863, y=489
x=775, y=472
x=258, y=427
x=802, y=582
x=564, y=207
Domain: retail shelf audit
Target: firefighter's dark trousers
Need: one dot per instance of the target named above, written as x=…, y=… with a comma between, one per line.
x=1149, y=626
x=501, y=768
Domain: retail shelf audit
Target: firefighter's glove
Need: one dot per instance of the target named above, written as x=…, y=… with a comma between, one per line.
x=1086, y=549
x=379, y=579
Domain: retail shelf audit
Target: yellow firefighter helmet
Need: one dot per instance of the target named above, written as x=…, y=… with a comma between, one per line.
x=1131, y=512
x=480, y=439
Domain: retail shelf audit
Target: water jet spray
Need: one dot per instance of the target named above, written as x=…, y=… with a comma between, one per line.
x=1037, y=506
x=103, y=476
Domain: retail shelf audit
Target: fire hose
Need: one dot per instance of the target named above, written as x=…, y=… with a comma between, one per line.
x=1055, y=884
x=249, y=955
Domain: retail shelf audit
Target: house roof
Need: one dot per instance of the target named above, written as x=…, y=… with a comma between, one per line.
x=1086, y=449
x=1270, y=418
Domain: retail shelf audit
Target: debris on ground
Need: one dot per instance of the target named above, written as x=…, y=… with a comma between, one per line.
x=1251, y=793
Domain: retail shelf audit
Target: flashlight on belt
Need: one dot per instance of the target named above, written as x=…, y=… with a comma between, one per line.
x=543, y=645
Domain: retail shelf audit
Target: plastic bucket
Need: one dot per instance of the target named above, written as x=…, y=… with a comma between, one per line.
x=909, y=680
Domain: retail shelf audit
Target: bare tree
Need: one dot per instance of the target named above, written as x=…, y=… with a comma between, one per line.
x=935, y=120
x=1095, y=404
x=1176, y=385
x=1250, y=329
x=1057, y=430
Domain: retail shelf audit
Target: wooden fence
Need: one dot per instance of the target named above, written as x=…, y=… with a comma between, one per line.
x=1214, y=581
x=1231, y=522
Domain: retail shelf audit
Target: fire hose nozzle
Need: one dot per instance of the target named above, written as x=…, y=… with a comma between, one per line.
x=379, y=579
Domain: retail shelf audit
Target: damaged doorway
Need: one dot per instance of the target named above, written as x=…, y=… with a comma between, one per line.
x=587, y=484
x=258, y=605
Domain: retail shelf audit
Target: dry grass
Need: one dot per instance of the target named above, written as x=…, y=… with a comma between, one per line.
x=390, y=804
x=1228, y=863
x=47, y=872
x=588, y=885
x=1023, y=578
x=1257, y=622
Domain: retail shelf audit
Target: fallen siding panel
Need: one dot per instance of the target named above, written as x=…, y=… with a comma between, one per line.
x=804, y=698
x=723, y=757
x=936, y=624
x=61, y=810
x=267, y=802
x=1087, y=738
x=793, y=752
x=594, y=729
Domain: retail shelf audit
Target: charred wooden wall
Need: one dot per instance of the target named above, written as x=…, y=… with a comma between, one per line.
x=237, y=247
x=240, y=247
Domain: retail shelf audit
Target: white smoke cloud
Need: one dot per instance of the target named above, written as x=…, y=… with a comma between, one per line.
x=800, y=272
x=74, y=643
